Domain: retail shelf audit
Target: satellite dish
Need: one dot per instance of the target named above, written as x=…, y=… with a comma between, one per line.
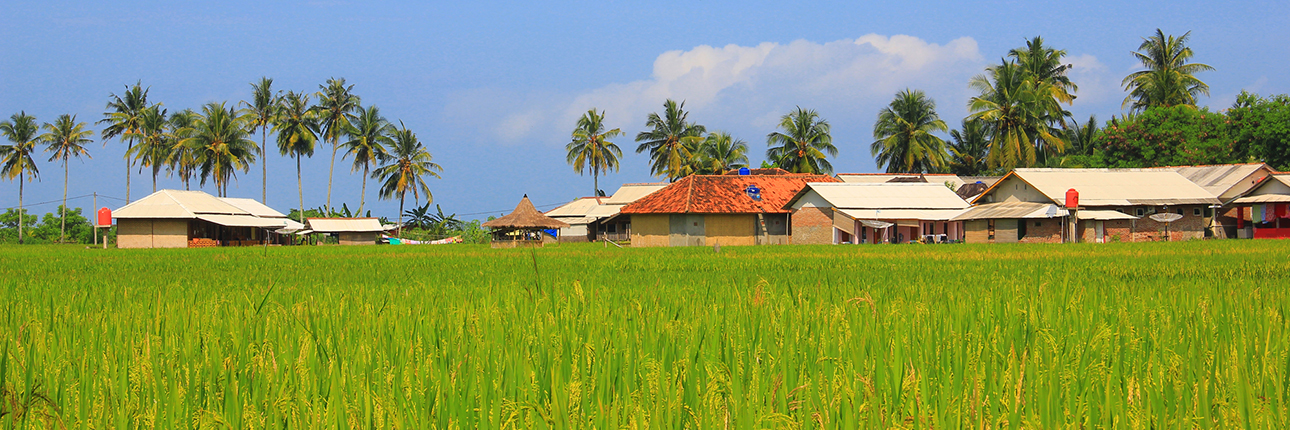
x=1166, y=217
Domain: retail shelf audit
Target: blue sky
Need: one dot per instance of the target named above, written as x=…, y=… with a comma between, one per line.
x=494, y=88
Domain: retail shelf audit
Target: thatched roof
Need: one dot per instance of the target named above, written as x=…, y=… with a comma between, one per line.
x=525, y=216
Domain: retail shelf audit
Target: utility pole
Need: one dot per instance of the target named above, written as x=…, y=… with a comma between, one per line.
x=95, y=213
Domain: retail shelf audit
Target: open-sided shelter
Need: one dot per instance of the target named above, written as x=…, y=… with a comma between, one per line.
x=193, y=219
x=524, y=226
x=700, y=210
x=348, y=231
x=892, y=212
x=1028, y=205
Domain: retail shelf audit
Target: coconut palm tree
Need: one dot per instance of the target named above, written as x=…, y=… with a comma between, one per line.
x=297, y=128
x=181, y=159
x=15, y=158
x=1169, y=80
x=805, y=144
x=409, y=164
x=590, y=148
x=153, y=150
x=1044, y=64
x=968, y=149
x=903, y=139
x=220, y=140
x=123, y=119
x=721, y=152
x=1018, y=114
x=369, y=136
x=671, y=141
x=335, y=109
x=261, y=109
x=1083, y=138
x=65, y=138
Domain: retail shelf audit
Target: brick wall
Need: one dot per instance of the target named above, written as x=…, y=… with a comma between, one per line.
x=812, y=226
x=1048, y=230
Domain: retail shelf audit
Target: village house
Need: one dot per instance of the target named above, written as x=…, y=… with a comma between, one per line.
x=1263, y=212
x=1226, y=182
x=854, y=213
x=1028, y=205
x=593, y=218
x=347, y=231
x=707, y=210
x=193, y=219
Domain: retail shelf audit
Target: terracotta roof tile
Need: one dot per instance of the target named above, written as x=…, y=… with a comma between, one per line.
x=724, y=194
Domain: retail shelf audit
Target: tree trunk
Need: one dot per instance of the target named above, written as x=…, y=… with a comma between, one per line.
x=362, y=196
x=401, y=196
x=20, y=220
x=155, y=169
x=331, y=172
x=62, y=223
x=129, y=165
x=595, y=181
x=264, y=168
x=300, y=185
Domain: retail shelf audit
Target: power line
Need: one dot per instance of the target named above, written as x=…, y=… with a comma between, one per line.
x=26, y=205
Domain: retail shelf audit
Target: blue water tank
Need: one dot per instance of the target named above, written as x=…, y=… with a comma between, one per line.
x=743, y=171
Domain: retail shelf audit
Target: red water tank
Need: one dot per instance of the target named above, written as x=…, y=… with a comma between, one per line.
x=105, y=217
x=1072, y=199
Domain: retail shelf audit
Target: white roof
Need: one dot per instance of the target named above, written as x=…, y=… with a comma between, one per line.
x=918, y=214
x=244, y=221
x=1011, y=210
x=177, y=204
x=888, y=195
x=344, y=225
x=1275, y=189
x=577, y=208
x=878, y=178
x=632, y=192
x=1117, y=187
x=254, y=207
x=1222, y=180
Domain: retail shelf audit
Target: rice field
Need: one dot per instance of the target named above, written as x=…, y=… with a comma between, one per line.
x=1148, y=335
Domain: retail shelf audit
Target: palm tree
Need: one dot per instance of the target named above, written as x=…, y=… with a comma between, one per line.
x=803, y=145
x=335, y=109
x=180, y=158
x=153, y=150
x=1044, y=64
x=410, y=164
x=1169, y=80
x=261, y=109
x=590, y=147
x=671, y=140
x=123, y=119
x=220, y=140
x=297, y=128
x=21, y=131
x=369, y=135
x=722, y=152
x=1083, y=138
x=1018, y=114
x=968, y=149
x=904, y=142
x=65, y=138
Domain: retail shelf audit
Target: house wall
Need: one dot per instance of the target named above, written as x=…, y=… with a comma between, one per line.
x=152, y=233
x=977, y=231
x=811, y=199
x=1048, y=231
x=1005, y=231
x=812, y=226
x=1015, y=190
x=730, y=229
x=650, y=230
x=1273, y=186
x=686, y=230
x=574, y=233
x=357, y=238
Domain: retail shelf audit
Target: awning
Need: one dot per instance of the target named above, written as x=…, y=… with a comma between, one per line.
x=1102, y=215
x=1008, y=210
x=844, y=223
x=1263, y=198
x=303, y=232
x=905, y=214
x=242, y=221
x=875, y=224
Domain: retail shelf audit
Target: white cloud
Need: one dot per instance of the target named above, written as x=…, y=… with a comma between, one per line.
x=1096, y=85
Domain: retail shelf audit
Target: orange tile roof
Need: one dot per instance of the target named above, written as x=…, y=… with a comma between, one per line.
x=724, y=194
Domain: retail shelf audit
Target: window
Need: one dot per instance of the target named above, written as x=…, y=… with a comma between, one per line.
x=1039, y=223
x=1139, y=212
x=1180, y=212
x=1195, y=212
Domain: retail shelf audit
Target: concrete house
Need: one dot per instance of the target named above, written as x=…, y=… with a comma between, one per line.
x=1227, y=182
x=836, y=213
x=593, y=218
x=705, y=210
x=1263, y=212
x=1027, y=205
x=194, y=219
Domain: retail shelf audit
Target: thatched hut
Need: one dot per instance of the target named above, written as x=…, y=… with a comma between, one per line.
x=523, y=227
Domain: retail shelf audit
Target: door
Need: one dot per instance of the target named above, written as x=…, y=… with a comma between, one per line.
x=1101, y=231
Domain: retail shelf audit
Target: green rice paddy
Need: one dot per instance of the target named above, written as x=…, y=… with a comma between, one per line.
x=1149, y=335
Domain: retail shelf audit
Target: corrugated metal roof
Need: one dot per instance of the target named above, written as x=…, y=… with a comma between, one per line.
x=918, y=214
x=1117, y=187
x=1011, y=210
x=253, y=206
x=1273, y=189
x=887, y=195
x=878, y=178
x=1225, y=180
x=1101, y=215
x=632, y=192
x=244, y=221
x=344, y=225
x=576, y=208
x=177, y=204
